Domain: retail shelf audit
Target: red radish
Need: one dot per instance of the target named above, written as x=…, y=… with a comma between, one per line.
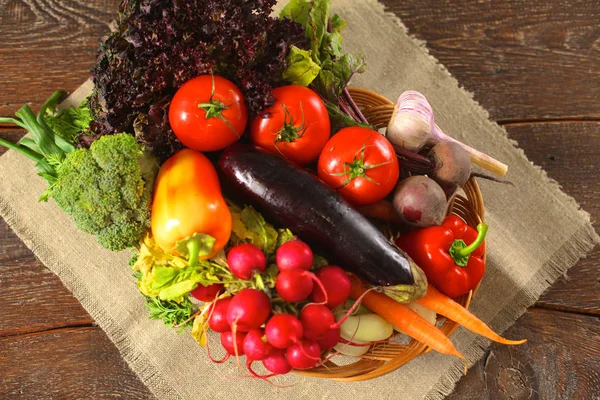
x=245, y=260
x=337, y=286
x=316, y=320
x=294, y=254
x=303, y=355
x=283, y=330
x=276, y=362
x=254, y=347
x=295, y=284
x=218, y=315
x=207, y=293
x=329, y=339
x=248, y=309
x=231, y=346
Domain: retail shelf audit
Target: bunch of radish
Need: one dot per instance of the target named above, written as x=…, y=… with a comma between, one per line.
x=249, y=326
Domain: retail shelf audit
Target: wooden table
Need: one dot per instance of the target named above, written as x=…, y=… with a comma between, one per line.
x=534, y=65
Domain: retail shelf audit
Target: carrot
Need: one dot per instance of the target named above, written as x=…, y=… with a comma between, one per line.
x=383, y=210
x=444, y=305
x=405, y=319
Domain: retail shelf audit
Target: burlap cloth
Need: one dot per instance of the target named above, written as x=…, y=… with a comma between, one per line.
x=536, y=233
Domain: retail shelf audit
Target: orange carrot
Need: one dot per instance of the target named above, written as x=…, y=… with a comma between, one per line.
x=405, y=319
x=383, y=210
x=444, y=305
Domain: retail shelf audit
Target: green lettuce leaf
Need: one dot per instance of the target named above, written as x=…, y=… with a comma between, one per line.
x=250, y=226
x=323, y=31
x=284, y=235
x=172, y=283
x=199, y=329
x=301, y=70
x=297, y=11
x=316, y=27
x=335, y=75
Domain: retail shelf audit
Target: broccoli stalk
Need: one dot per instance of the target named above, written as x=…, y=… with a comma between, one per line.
x=106, y=189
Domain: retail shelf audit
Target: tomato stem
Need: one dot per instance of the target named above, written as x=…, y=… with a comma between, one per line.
x=289, y=133
x=357, y=168
x=214, y=108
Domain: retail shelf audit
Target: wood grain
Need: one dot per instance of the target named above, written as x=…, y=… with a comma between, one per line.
x=48, y=45
x=525, y=60
x=570, y=153
x=66, y=364
x=33, y=298
x=561, y=360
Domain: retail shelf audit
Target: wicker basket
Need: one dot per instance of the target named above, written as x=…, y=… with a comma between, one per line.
x=386, y=357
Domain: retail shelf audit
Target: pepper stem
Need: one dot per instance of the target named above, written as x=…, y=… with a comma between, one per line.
x=459, y=250
x=193, y=248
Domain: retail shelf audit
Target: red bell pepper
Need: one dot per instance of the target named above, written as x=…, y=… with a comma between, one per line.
x=449, y=254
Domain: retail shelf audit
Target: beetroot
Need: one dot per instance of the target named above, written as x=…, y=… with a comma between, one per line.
x=420, y=201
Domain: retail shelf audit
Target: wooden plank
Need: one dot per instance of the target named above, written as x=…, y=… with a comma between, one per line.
x=66, y=364
x=499, y=50
x=570, y=153
x=561, y=360
x=503, y=51
x=33, y=298
x=578, y=290
x=47, y=46
x=522, y=60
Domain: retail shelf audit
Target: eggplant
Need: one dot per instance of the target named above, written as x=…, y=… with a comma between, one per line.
x=298, y=200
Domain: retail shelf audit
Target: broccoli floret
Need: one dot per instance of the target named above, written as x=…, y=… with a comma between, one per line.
x=107, y=190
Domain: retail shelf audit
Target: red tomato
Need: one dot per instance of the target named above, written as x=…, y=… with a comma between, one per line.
x=208, y=113
x=361, y=164
x=295, y=126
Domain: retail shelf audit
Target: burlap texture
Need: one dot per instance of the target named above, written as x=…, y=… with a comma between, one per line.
x=536, y=233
